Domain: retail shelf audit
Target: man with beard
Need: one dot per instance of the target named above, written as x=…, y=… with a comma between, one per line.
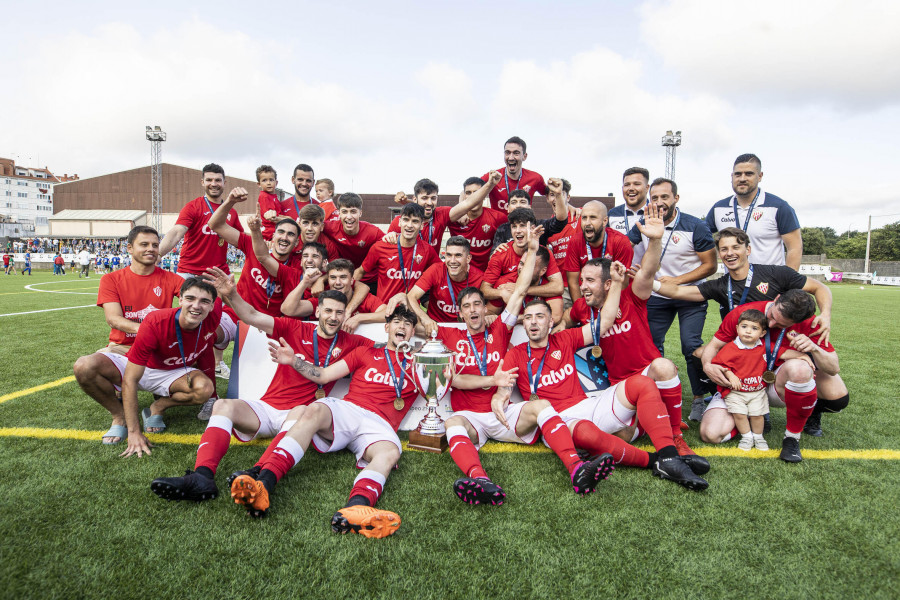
x=635, y=185
x=303, y=181
x=514, y=176
x=479, y=351
x=595, y=240
x=283, y=402
x=770, y=222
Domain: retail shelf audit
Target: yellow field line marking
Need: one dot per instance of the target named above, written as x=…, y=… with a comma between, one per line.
x=193, y=439
x=37, y=388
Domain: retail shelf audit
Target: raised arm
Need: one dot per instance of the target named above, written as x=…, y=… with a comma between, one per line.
x=260, y=248
x=294, y=305
x=475, y=199
x=555, y=186
x=218, y=222
x=653, y=228
x=227, y=290
x=282, y=353
x=523, y=281
x=171, y=239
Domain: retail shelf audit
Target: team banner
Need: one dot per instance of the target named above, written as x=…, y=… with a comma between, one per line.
x=252, y=369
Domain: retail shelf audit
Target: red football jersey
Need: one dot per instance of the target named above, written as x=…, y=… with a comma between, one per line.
x=372, y=386
x=353, y=248
x=291, y=207
x=383, y=259
x=558, y=382
x=138, y=295
x=497, y=337
x=289, y=388
x=202, y=248
x=728, y=329
x=156, y=345
x=433, y=231
x=369, y=304
x=529, y=181
x=558, y=245
x=480, y=233
x=507, y=262
x=442, y=305
x=748, y=364
x=618, y=247
x=627, y=346
x=511, y=278
x=256, y=287
x=266, y=203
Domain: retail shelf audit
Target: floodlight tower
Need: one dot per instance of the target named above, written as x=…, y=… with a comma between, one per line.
x=670, y=141
x=156, y=137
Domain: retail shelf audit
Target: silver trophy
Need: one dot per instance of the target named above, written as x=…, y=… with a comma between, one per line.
x=432, y=372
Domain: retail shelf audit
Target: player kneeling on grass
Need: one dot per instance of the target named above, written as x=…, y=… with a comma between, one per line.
x=167, y=341
x=283, y=402
x=744, y=361
x=365, y=422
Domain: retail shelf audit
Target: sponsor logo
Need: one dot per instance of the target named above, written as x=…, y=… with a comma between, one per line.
x=308, y=342
x=480, y=243
x=556, y=354
x=558, y=425
x=369, y=487
x=397, y=274
x=662, y=416
x=617, y=328
x=139, y=315
x=447, y=308
x=375, y=376
x=763, y=287
x=205, y=230
x=157, y=290
x=208, y=335
x=557, y=376
x=256, y=274
x=174, y=361
x=200, y=446
x=379, y=357
x=453, y=447
x=465, y=359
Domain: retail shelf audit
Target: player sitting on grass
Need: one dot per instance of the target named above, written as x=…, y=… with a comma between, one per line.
x=744, y=361
x=283, y=402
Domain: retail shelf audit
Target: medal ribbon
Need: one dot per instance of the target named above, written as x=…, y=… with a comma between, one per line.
x=506, y=180
x=534, y=379
x=398, y=384
x=316, y=351
x=590, y=254
x=180, y=338
x=737, y=220
x=403, y=262
x=772, y=353
x=595, y=328
x=745, y=292
x=482, y=364
x=450, y=285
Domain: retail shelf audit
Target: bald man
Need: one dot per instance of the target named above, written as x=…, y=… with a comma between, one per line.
x=594, y=239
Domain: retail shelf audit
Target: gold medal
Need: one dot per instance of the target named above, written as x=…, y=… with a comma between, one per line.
x=596, y=351
x=534, y=397
x=320, y=393
x=769, y=376
x=221, y=242
x=398, y=403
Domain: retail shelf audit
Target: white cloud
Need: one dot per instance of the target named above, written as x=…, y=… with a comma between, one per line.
x=828, y=52
x=450, y=90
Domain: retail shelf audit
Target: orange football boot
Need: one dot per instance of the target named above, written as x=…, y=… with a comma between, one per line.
x=365, y=520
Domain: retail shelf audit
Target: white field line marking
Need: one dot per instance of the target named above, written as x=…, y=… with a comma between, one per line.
x=31, y=312
x=33, y=287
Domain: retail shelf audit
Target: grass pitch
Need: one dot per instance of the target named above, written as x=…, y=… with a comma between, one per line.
x=79, y=522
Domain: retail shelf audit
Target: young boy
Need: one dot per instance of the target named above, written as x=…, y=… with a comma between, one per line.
x=269, y=204
x=749, y=374
x=325, y=196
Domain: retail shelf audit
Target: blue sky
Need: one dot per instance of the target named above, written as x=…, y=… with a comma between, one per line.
x=378, y=95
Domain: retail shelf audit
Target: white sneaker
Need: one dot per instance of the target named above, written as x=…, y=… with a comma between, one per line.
x=222, y=370
x=206, y=411
x=746, y=443
x=759, y=442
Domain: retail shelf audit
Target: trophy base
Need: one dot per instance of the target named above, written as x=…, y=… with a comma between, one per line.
x=427, y=443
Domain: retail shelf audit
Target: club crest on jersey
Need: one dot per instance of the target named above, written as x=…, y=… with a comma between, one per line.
x=675, y=238
x=335, y=353
x=556, y=354
x=619, y=314
x=418, y=258
x=527, y=188
x=490, y=338
x=792, y=334
x=485, y=228
x=361, y=243
x=157, y=290
x=763, y=287
x=757, y=215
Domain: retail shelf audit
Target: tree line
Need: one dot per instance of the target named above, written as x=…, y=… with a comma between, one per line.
x=852, y=244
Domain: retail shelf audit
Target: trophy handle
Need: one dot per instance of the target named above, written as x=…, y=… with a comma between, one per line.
x=405, y=350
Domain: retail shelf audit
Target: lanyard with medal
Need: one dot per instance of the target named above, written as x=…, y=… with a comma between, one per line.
x=412, y=262
x=744, y=293
x=450, y=290
x=595, y=333
x=674, y=225
x=320, y=392
x=534, y=380
x=590, y=253
x=211, y=212
x=297, y=206
x=771, y=355
x=737, y=220
x=430, y=230
x=180, y=339
x=506, y=180
x=398, y=383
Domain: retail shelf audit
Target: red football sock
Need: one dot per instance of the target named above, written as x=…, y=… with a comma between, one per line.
x=369, y=485
x=214, y=443
x=590, y=437
x=556, y=434
x=799, y=402
x=731, y=435
x=651, y=412
x=465, y=455
x=670, y=392
x=268, y=452
x=283, y=457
